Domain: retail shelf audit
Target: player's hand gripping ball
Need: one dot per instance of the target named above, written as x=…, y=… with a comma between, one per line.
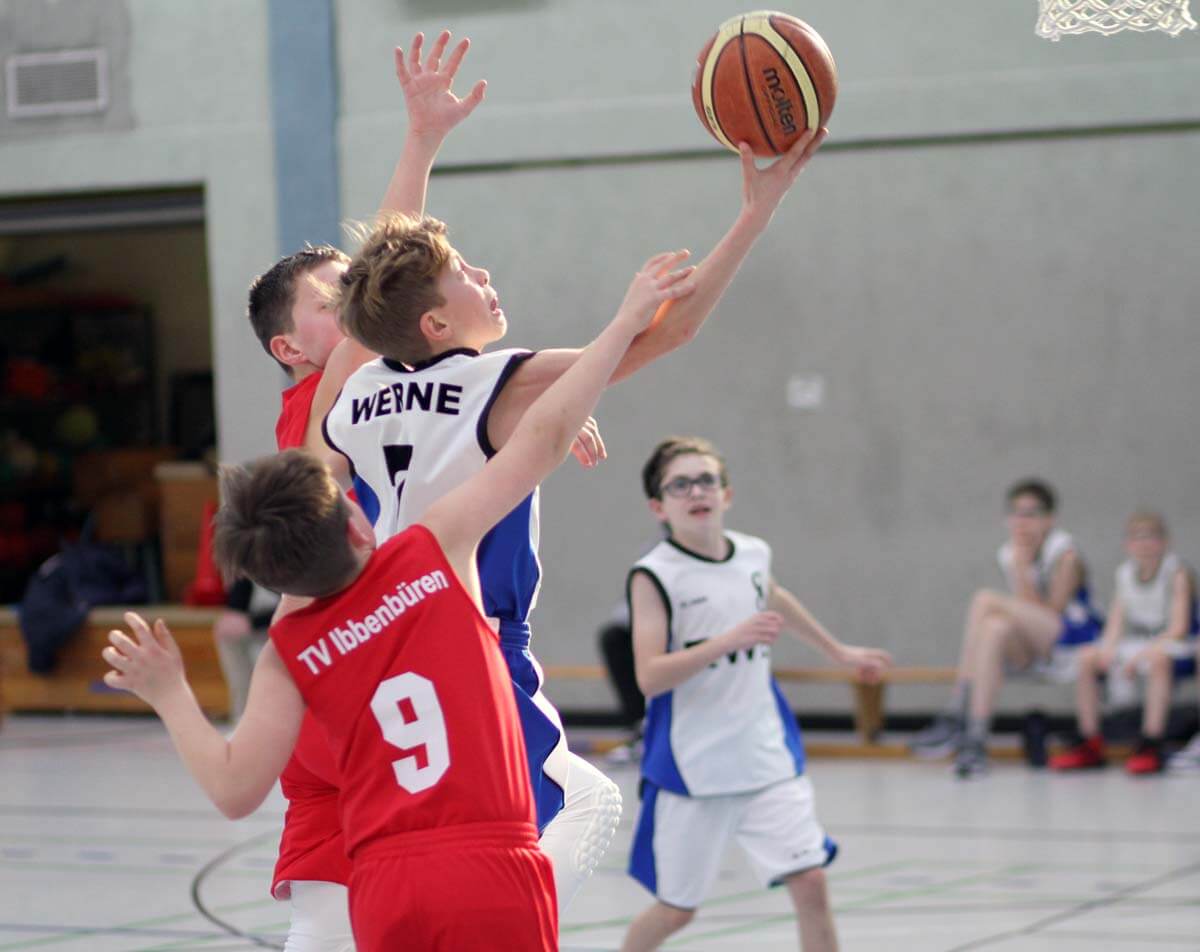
x=764, y=79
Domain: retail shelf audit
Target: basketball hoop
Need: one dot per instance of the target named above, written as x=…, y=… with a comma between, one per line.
x=1059, y=17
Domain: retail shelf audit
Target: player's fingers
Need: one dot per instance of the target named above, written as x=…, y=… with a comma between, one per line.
x=115, y=679
x=434, y=62
x=414, y=54
x=456, y=57
x=401, y=66
x=475, y=97
x=746, y=155
x=162, y=634
x=667, y=278
x=654, y=263
x=137, y=624
x=114, y=658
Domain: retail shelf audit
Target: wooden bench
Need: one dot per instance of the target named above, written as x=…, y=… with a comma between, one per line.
x=868, y=697
x=77, y=682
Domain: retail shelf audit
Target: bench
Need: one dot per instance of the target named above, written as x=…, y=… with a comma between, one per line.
x=77, y=682
x=868, y=697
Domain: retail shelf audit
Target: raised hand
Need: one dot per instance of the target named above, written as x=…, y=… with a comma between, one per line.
x=588, y=447
x=149, y=664
x=868, y=663
x=655, y=283
x=433, y=108
x=763, y=189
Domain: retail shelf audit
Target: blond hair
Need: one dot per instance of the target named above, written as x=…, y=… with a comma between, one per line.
x=391, y=283
x=1147, y=517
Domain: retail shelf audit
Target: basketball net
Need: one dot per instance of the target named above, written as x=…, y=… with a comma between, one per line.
x=1112, y=16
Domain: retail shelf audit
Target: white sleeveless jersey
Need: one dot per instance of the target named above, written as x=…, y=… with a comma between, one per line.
x=1147, y=605
x=727, y=729
x=413, y=434
x=1057, y=544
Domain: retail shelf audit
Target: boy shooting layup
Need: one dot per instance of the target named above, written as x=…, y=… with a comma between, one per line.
x=402, y=672
x=433, y=409
x=723, y=755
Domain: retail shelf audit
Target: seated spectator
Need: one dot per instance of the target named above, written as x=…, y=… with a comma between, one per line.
x=240, y=631
x=1148, y=635
x=1035, y=625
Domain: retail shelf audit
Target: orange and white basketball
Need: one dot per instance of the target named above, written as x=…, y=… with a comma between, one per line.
x=764, y=78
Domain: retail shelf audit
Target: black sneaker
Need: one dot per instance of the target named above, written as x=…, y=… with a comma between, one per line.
x=972, y=760
x=940, y=739
x=1033, y=739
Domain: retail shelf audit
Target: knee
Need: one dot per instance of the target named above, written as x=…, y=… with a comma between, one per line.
x=809, y=889
x=996, y=630
x=1158, y=663
x=674, y=917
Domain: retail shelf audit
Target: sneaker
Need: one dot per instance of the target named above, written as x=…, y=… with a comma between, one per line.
x=1083, y=755
x=972, y=760
x=940, y=739
x=1033, y=739
x=1146, y=759
x=1186, y=760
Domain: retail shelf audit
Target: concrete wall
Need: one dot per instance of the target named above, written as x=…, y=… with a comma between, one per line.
x=989, y=267
x=987, y=284
x=197, y=104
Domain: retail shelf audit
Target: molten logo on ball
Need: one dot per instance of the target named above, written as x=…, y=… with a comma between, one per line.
x=780, y=99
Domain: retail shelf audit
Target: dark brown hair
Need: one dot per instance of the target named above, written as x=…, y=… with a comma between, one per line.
x=1037, y=488
x=672, y=448
x=273, y=292
x=282, y=524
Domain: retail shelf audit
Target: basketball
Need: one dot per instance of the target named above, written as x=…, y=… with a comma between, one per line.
x=764, y=78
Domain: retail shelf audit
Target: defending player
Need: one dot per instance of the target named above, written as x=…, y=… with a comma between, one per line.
x=723, y=756
x=290, y=314
x=402, y=672
x=433, y=409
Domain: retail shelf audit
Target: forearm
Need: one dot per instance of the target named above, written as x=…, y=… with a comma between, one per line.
x=664, y=672
x=803, y=625
x=209, y=757
x=678, y=321
x=410, y=180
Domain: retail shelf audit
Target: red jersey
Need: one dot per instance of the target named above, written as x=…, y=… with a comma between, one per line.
x=311, y=845
x=406, y=678
x=293, y=418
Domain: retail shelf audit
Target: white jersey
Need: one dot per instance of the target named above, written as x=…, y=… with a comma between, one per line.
x=412, y=434
x=726, y=729
x=1147, y=605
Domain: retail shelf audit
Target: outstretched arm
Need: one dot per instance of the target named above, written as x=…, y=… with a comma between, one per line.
x=433, y=111
x=545, y=434
x=238, y=773
x=676, y=321
x=869, y=662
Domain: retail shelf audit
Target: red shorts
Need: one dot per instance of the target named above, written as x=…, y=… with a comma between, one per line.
x=453, y=889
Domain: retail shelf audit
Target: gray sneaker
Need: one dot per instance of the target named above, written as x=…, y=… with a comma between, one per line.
x=940, y=739
x=1187, y=760
x=972, y=760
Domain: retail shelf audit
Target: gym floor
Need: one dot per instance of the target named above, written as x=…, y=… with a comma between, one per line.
x=106, y=844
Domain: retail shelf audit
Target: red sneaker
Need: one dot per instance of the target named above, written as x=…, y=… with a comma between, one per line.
x=1147, y=759
x=1085, y=755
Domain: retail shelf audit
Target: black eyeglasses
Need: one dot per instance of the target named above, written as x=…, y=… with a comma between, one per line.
x=681, y=486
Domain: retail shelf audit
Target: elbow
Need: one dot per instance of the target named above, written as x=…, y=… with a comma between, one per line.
x=237, y=805
x=649, y=686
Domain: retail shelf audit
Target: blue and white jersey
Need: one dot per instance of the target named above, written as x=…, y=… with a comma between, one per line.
x=413, y=434
x=1079, y=612
x=727, y=729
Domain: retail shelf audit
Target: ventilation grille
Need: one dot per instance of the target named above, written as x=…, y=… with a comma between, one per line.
x=68, y=83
